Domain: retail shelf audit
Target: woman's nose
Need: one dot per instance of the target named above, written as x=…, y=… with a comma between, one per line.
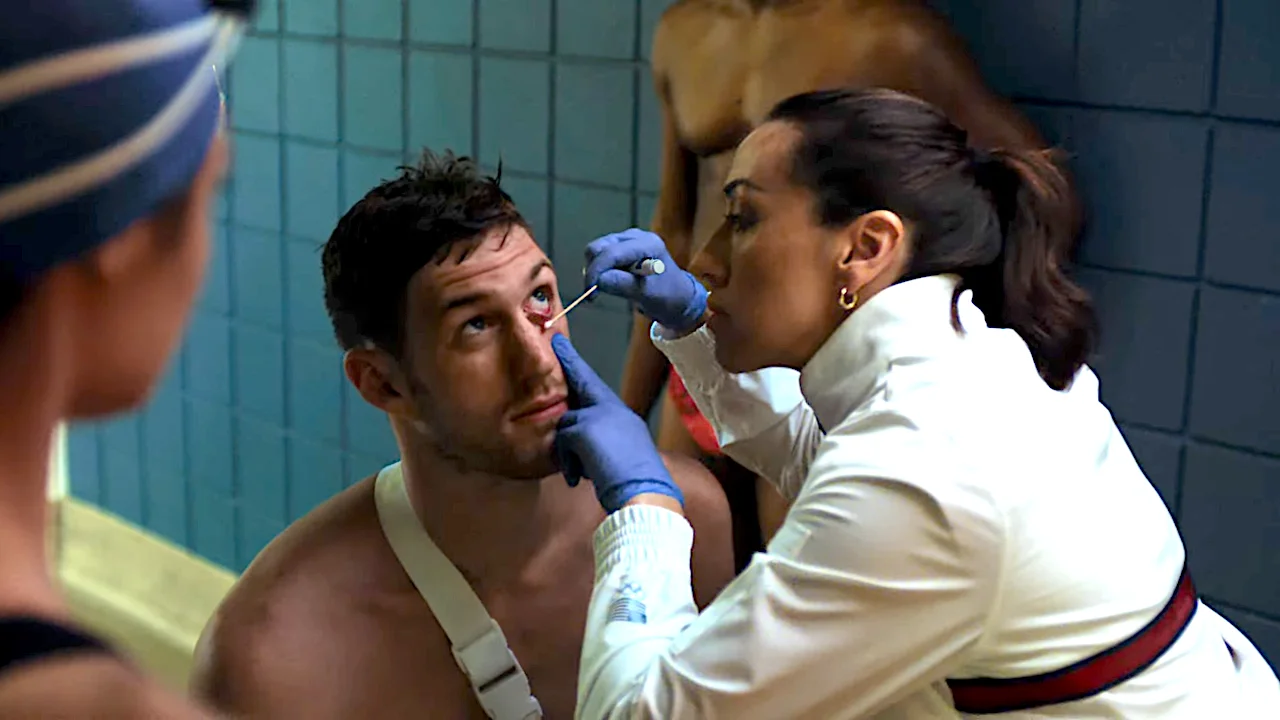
x=709, y=264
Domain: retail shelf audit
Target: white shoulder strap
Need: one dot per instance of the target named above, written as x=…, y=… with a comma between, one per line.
x=478, y=643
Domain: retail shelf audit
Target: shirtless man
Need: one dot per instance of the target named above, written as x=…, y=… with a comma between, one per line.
x=718, y=67
x=438, y=293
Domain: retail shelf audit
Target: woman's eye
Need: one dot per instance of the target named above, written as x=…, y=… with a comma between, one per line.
x=740, y=222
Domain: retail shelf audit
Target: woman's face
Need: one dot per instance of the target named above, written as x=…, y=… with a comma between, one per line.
x=774, y=273
x=139, y=289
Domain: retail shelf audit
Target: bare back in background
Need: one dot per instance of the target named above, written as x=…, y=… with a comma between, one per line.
x=718, y=67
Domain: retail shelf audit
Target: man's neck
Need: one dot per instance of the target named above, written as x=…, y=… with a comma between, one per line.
x=496, y=530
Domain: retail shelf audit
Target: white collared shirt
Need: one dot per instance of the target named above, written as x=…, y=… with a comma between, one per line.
x=958, y=518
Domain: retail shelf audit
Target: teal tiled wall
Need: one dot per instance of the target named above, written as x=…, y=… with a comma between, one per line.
x=254, y=425
x=1174, y=127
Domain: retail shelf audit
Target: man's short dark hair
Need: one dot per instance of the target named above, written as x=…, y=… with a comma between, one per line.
x=396, y=229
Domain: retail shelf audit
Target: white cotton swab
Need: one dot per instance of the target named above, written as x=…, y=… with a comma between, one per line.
x=649, y=266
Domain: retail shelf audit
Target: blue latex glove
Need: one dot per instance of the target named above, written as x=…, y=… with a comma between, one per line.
x=675, y=298
x=602, y=439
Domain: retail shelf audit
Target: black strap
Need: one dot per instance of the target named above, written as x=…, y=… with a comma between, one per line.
x=27, y=639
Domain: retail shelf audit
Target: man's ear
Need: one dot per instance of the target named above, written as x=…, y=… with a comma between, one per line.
x=371, y=372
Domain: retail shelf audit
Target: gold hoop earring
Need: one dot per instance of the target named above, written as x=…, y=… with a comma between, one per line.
x=846, y=302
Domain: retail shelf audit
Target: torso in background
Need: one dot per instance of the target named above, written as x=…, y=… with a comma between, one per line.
x=723, y=64
x=351, y=637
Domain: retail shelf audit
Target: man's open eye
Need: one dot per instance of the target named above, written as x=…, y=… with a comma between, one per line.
x=475, y=325
x=540, y=300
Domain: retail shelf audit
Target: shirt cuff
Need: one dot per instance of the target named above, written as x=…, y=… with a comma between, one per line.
x=686, y=352
x=644, y=535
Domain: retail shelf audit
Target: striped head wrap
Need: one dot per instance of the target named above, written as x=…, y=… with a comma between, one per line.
x=107, y=110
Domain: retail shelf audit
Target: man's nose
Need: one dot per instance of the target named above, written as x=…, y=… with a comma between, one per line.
x=710, y=263
x=532, y=354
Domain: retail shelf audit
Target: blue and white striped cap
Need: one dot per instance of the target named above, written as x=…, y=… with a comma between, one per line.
x=107, y=110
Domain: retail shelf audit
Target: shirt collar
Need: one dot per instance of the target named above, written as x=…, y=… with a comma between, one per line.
x=904, y=322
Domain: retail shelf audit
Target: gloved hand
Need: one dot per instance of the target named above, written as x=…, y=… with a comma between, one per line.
x=602, y=439
x=675, y=299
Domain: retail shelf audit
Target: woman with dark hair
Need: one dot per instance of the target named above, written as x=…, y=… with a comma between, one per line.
x=969, y=533
x=111, y=151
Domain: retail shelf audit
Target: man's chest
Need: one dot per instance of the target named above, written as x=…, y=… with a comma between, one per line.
x=726, y=76
x=400, y=662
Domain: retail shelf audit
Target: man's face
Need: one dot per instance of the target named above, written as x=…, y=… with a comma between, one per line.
x=486, y=384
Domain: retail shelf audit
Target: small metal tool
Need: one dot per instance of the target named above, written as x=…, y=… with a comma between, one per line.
x=644, y=268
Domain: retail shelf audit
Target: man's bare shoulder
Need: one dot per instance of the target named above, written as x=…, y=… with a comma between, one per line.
x=707, y=510
x=287, y=626
x=692, y=477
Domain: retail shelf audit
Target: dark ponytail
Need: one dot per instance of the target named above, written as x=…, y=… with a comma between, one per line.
x=1004, y=221
x=1030, y=292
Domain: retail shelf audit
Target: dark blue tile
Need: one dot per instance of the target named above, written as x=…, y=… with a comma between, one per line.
x=215, y=296
x=208, y=356
x=311, y=89
x=258, y=277
x=255, y=89
x=307, y=317
x=372, y=102
x=645, y=204
x=515, y=25
x=315, y=391
x=268, y=19
x=597, y=29
x=440, y=102
x=650, y=13
x=311, y=190
x=260, y=376
x=444, y=22
x=363, y=171
x=580, y=216
x=222, y=205
x=1235, y=395
x=531, y=198
x=515, y=113
x=253, y=534
x=362, y=467
x=261, y=475
x=372, y=19
x=368, y=430
x=213, y=527
x=209, y=441
x=122, y=468
x=1160, y=456
x=167, y=508
x=1147, y=54
x=601, y=336
x=1142, y=179
x=84, y=467
x=649, y=147
x=315, y=475
x=1054, y=123
x=257, y=183
x=163, y=441
x=595, y=115
x=1230, y=518
x=1249, y=60
x=1145, y=343
x=311, y=17
x=1240, y=246
x=1263, y=632
x=1025, y=49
